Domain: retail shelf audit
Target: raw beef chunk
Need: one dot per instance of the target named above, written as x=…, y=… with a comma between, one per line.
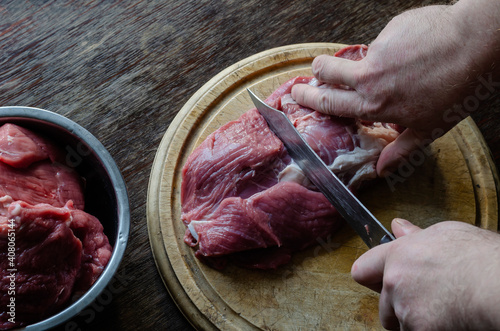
x=59, y=253
x=51, y=250
x=42, y=182
x=31, y=169
x=20, y=147
x=96, y=248
x=245, y=200
x=46, y=261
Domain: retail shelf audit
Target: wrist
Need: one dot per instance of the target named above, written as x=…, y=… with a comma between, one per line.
x=478, y=27
x=484, y=295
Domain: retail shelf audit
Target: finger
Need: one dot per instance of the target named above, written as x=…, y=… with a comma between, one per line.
x=335, y=70
x=368, y=269
x=332, y=101
x=386, y=312
x=401, y=227
x=392, y=156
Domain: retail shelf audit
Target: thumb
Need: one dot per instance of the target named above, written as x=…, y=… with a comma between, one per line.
x=400, y=149
x=401, y=227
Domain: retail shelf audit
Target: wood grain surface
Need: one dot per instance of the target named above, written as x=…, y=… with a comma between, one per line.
x=124, y=69
x=314, y=291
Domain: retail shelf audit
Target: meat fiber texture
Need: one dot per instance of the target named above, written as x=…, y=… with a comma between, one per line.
x=32, y=170
x=245, y=200
x=50, y=249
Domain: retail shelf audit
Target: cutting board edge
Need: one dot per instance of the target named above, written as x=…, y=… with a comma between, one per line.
x=169, y=277
x=187, y=115
x=483, y=172
x=196, y=308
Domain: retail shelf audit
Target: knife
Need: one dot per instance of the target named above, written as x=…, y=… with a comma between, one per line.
x=350, y=208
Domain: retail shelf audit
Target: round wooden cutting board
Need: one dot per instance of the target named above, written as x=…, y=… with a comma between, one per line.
x=315, y=291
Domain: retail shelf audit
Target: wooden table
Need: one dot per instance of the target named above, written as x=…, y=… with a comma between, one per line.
x=124, y=69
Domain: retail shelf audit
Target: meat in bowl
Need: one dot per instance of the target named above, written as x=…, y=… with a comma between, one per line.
x=50, y=249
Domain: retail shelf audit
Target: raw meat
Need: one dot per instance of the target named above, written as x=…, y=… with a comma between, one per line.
x=244, y=199
x=42, y=182
x=59, y=253
x=60, y=250
x=47, y=260
x=20, y=147
x=31, y=169
x=96, y=248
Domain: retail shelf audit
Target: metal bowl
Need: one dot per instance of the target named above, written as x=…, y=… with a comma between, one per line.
x=105, y=194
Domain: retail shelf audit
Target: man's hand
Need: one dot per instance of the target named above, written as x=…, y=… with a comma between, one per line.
x=442, y=278
x=416, y=72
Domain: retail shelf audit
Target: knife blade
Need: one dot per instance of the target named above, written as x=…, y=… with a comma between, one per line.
x=350, y=208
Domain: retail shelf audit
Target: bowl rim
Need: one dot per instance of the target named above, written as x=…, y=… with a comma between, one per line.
x=123, y=208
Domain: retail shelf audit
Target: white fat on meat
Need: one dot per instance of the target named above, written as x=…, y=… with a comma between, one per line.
x=5, y=222
x=193, y=231
x=359, y=163
x=287, y=99
x=5, y=202
x=293, y=173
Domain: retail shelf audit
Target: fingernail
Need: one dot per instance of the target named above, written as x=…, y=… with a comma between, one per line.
x=296, y=93
x=316, y=65
x=402, y=222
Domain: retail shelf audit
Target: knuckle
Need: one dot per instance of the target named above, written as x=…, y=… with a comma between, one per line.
x=375, y=100
x=369, y=109
x=362, y=72
x=393, y=275
x=325, y=104
x=359, y=73
x=390, y=282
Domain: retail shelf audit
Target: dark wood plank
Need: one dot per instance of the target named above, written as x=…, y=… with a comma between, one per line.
x=123, y=69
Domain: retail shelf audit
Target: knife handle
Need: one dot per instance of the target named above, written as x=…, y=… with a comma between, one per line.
x=385, y=239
